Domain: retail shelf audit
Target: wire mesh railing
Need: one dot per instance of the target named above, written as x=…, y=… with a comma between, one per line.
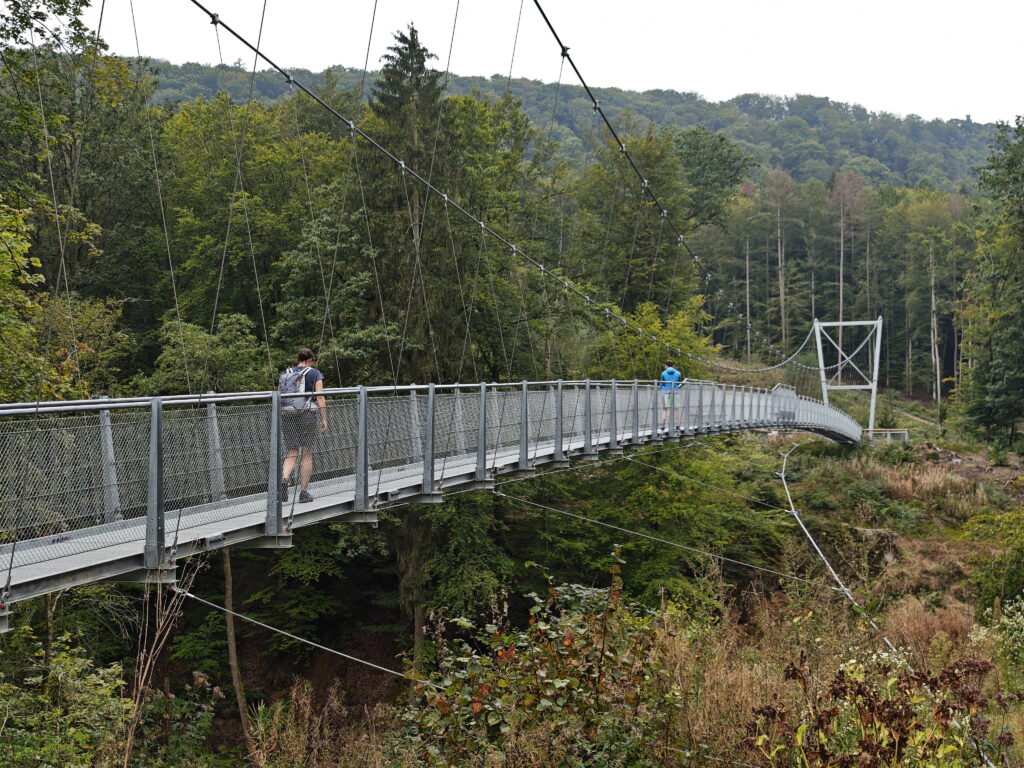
x=134, y=477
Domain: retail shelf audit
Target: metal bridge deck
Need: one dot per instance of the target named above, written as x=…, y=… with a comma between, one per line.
x=122, y=489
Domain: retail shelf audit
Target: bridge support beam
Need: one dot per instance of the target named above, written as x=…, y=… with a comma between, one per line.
x=430, y=491
x=655, y=415
x=634, y=399
x=361, y=501
x=589, y=451
x=153, y=552
x=524, y=468
x=218, y=488
x=275, y=521
x=482, y=477
x=558, y=457
x=167, y=574
x=614, y=445
x=111, y=492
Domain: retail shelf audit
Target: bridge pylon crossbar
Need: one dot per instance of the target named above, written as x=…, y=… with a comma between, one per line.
x=104, y=489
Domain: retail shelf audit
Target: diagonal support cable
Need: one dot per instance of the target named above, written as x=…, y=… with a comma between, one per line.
x=303, y=640
x=609, y=314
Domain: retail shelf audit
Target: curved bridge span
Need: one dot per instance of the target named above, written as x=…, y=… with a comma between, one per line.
x=120, y=489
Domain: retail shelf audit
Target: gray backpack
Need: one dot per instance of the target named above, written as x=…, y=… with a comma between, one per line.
x=291, y=382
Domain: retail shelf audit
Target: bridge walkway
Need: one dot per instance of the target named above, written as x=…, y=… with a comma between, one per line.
x=120, y=489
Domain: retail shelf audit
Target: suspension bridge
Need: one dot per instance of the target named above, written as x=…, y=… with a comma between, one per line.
x=121, y=489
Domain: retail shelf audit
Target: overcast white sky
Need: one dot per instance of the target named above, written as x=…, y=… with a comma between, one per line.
x=934, y=58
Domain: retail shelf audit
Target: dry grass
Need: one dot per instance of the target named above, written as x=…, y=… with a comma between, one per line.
x=934, y=638
x=738, y=665
x=302, y=731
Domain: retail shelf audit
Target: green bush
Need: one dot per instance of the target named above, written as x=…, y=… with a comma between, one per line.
x=60, y=709
x=580, y=685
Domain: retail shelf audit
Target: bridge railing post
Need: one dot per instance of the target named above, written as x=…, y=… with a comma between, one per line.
x=274, y=523
x=559, y=435
x=361, y=500
x=524, y=427
x=635, y=400
x=686, y=408
x=111, y=491
x=154, y=547
x=734, y=423
x=428, y=487
x=672, y=411
x=588, y=421
x=218, y=488
x=460, y=422
x=481, y=436
x=414, y=433
x=712, y=410
x=699, y=425
x=614, y=444
x=655, y=416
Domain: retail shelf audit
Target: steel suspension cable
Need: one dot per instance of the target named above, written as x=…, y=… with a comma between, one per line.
x=238, y=144
x=41, y=376
x=163, y=210
x=624, y=151
x=61, y=237
x=588, y=300
x=300, y=141
x=660, y=540
x=298, y=639
x=857, y=607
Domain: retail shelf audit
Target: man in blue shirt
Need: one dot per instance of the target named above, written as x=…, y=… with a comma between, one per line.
x=670, y=378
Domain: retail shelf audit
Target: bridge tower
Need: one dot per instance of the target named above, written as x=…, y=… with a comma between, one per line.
x=832, y=376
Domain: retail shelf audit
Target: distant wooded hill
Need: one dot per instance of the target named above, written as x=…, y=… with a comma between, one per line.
x=807, y=136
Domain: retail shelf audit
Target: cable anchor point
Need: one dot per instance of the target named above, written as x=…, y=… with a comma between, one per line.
x=215, y=19
x=565, y=51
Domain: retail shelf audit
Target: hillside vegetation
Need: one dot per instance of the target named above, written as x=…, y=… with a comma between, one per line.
x=165, y=235
x=807, y=136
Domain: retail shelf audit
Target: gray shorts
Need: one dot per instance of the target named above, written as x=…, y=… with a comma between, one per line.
x=300, y=430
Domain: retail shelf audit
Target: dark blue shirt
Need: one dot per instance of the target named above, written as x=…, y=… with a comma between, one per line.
x=312, y=377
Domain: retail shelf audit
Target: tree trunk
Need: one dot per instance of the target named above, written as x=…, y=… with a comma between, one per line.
x=236, y=677
x=867, y=262
x=747, y=315
x=842, y=262
x=767, y=288
x=418, y=636
x=782, y=273
x=934, y=332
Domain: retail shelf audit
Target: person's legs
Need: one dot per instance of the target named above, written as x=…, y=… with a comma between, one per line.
x=305, y=468
x=289, y=464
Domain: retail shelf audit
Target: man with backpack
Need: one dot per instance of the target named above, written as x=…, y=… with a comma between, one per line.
x=303, y=417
